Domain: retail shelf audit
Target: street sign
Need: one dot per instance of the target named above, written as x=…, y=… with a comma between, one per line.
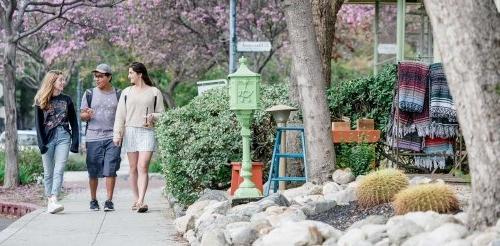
x=386, y=48
x=210, y=84
x=250, y=46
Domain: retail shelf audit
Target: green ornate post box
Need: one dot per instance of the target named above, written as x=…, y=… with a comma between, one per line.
x=244, y=93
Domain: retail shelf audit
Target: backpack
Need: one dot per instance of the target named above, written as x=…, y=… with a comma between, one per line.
x=88, y=96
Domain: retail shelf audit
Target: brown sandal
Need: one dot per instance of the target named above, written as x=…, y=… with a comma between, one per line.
x=142, y=208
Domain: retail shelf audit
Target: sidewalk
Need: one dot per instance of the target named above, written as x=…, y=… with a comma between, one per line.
x=77, y=225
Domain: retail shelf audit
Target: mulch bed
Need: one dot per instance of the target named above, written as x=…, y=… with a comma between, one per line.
x=341, y=217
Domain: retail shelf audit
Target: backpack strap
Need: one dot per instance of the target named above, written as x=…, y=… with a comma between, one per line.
x=154, y=106
x=118, y=94
x=88, y=97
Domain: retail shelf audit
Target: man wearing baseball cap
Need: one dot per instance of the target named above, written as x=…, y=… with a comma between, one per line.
x=98, y=109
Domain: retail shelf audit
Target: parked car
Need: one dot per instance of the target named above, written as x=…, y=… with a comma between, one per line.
x=25, y=138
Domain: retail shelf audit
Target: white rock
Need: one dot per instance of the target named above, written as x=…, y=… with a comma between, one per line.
x=331, y=187
x=458, y=242
x=372, y=219
x=240, y=233
x=306, y=189
x=400, y=228
x=327, y=231
x=343, y=176
x=330, y=242
x=190, y=236
x=301, y=200
x=248, y=209
x=198, y=207
x=462, y=217
x=430, y=220
x=447, y=232
x=291, y=234
x=291, y=214
x=374, y=233
x=353, y=237
x=485, y=238
x=384, y=242
x=343, y=197
x=313, y=208
x=214, y=238
x=417, y=180
x=217, y=208
x=184, y=223
x=421, y=239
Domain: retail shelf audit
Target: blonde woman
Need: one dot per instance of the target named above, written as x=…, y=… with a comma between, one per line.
x=138, y=108
x=57, y=131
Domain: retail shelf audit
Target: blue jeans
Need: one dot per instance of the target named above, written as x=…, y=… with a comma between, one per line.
x=55, y=160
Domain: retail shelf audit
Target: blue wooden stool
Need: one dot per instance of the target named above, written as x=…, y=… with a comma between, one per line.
x=274, y=177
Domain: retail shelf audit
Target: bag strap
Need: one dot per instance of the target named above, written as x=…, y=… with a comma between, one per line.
x=154, y=106
x=88, y=96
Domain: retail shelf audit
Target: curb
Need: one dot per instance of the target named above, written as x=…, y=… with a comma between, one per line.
x=17, y=209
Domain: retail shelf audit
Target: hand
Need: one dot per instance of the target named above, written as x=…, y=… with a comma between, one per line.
x=149, y=120
x=117, y=141
x=87, y=114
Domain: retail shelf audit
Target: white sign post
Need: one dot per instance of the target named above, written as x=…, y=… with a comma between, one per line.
x=249, y=46
x=210, y=84
x=386, y=48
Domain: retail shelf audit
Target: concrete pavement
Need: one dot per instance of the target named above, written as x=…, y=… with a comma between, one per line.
x=77, y=225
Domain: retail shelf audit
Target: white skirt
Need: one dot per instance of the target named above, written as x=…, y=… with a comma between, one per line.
x=139, y=139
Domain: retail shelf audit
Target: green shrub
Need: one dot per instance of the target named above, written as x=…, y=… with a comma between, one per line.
x=198, y=141
x=358, y=157
x=380, y=187
x=366, y=97
x=436, y=197
x=30, y=166
x=155, y=166
x=76, y=162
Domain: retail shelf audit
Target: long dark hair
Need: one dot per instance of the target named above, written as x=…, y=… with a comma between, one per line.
x=140, y=68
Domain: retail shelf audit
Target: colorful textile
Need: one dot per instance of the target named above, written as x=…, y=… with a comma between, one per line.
x=409, y=142
x=441, y=100
x=442, y=111
x=412, y=81
x=434, y=147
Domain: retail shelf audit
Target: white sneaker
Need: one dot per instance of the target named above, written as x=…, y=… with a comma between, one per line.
x=53, y=207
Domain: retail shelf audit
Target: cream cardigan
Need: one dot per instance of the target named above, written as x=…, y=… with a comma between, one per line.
x=133, y=111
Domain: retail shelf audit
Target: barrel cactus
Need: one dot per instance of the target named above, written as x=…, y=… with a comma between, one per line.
x=436, y=197
x=380, y=186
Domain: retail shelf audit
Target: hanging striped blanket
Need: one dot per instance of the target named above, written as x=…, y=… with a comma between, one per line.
x=442, y=110
x=434, y=146
x=441, y=100
x=412, y=80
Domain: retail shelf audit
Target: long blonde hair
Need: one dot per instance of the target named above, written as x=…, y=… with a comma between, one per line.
x=43, y=95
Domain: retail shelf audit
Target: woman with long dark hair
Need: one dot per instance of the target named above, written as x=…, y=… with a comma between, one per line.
x=57, y=132
x=139, y=107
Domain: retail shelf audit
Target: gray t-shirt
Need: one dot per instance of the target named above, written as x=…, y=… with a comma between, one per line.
x=104, y=105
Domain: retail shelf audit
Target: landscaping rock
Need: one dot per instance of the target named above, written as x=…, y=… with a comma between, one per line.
x=372, y=219
x=400, y=228
x=417, y=180
x=330, y=188
x=343, y=176
x=198, y=207
x=304, y=190
x=240, y=233
x=430, y=220
x=278, y=198
x=190, y=236
x=317, y=207
x=291, y=214
x=248, y=209
x=343, y=197
x=185, y=223
x=214, y=238
x=327, y=231
x=384, y=242
x=374, y=233
x=353, y=237
x=291, y=234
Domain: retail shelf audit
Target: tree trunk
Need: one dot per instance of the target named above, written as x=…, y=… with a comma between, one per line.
x=11, y=178
x=310, y=83
x=324, y=14
x=294, y=167
x=468, y=36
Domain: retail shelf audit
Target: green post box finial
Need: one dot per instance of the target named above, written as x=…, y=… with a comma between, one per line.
x=244, y=96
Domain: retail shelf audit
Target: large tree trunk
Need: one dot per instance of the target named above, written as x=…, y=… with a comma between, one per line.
x=468, y=36
x=310, y=82
x=324, y=14
x=11, y=178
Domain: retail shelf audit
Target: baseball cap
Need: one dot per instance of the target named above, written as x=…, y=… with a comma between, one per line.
x=103, y=68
